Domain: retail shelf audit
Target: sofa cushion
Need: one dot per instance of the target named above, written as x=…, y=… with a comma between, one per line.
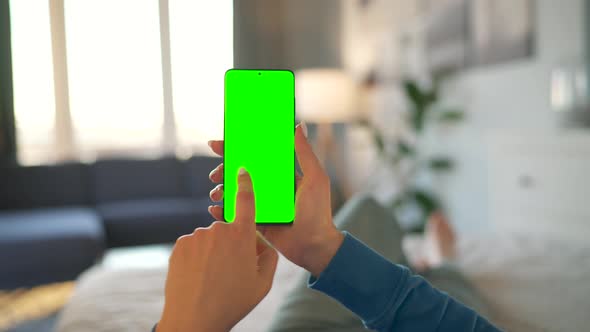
x=198, y=169
x=130, y=179
x=48, y=245
x=152, y=220
x=43, y=186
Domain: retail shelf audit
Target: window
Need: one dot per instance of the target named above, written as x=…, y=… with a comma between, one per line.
x=201, y=38
x=115, y=76
x=32, y=69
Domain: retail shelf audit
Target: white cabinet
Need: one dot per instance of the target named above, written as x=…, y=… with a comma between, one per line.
x=541, y=182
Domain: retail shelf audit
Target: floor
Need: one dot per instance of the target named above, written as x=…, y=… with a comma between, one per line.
x=142, y=256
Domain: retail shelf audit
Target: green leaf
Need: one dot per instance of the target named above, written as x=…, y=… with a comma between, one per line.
x=427, y=201
x=450, y=116
x=413, y=93
x=440, y=164
x=405, y=149
x=378, y=140
x=421, y=101
x=424, y=200
x=398, y=202
x=417, y=229
x=418, y=119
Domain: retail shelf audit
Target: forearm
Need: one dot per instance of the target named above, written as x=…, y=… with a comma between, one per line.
x=387, y=296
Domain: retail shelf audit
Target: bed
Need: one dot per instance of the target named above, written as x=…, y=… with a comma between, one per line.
x=532, y=283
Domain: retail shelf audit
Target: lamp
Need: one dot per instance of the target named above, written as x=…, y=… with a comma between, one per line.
x=324, y=97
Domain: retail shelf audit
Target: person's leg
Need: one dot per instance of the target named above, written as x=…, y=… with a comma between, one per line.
x=438, y=264
x=440, y=240
x=307, y=310
x=370, y=222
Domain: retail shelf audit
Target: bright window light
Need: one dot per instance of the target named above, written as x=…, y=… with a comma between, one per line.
x=32, y=73
x=114, y=71
x=115, y=75
x=201, y=42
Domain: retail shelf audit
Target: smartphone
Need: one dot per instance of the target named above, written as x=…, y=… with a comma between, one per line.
x=259, y=134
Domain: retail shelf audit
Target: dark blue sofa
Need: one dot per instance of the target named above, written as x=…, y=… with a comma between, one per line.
x=56, y=221
x=151, y=202
x=48, y=232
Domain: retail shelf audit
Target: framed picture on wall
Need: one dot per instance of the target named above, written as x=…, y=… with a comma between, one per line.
x=471, y=33
x=446, y=34
x=500, y=30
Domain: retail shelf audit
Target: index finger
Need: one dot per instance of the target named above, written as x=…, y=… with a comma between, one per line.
x=245, y=207
x=310, y=165
x=216, y=146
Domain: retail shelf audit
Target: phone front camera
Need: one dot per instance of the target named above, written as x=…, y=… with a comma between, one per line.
x=259, y=73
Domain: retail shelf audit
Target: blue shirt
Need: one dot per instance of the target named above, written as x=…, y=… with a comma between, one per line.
x=388, y=297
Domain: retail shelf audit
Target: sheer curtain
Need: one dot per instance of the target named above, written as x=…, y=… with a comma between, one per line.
x=104, y=93
x=201, y=39
x=34, y=101
x=114, y=75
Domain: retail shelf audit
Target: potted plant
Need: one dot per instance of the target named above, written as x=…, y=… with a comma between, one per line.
x=414, y=203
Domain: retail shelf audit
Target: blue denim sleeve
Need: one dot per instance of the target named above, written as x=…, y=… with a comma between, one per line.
x=388, y=297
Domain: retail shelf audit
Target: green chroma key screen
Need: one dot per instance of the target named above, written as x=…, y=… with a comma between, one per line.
x=259, y=134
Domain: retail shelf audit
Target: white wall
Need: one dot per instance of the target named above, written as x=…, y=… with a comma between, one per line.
x=511, y=96
x=514, y=96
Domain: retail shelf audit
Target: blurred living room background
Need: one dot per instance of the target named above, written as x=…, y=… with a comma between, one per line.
x=476, y=108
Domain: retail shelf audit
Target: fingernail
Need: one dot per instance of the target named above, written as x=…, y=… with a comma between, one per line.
x=244, y=181
x=303, y=128
x=210, y=143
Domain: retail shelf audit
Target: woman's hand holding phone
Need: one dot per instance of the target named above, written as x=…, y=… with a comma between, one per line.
x=312, y=239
